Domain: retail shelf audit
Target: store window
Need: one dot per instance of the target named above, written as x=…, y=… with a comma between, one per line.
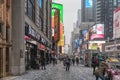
x=31, y=9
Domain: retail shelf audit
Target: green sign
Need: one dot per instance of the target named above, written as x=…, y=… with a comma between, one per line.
x=60, y=7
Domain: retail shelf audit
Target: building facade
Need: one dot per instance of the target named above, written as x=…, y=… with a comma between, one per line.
x=5, y=37
x=88, y=10
x=104, y=14
x=32, y=33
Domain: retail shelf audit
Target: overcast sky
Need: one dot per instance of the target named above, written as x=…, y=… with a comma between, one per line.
x=70, y=15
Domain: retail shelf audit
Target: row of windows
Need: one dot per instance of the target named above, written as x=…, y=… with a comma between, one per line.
x=30, y=9
x=7, y=32
x=0, y=28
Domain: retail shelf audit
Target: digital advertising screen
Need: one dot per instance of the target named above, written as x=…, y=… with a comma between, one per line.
x=97, y=32
x=88, y=3
x=116, y=23
x=84, y=32
x=60, y=7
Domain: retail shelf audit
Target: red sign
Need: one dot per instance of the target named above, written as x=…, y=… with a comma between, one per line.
x=42, y=47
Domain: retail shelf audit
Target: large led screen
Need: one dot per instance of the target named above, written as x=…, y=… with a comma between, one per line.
x=60, y=7
x=116, y=23
x=84, y=32
x=88, y=3
x=97, y=32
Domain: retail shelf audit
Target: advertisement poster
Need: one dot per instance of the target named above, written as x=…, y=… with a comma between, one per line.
x=89, y=3
x=97, y=32
x=116, y=23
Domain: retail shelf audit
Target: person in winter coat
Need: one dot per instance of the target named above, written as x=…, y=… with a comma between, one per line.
x=100, y=72
x=77, y=61
x=67, y=63
x=43, y=63
x=94, y=63
x=73, y=61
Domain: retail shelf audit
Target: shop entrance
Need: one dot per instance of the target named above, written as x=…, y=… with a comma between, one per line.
x=30, y=55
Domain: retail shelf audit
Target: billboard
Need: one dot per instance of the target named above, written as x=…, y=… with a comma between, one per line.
x=116, y=23
x=94, y=45
x=84, y=33
x=88, y=3
x=60, y=7
x=97, y=32
x=56, y=26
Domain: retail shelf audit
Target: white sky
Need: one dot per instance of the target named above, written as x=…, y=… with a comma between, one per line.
x=70, y=15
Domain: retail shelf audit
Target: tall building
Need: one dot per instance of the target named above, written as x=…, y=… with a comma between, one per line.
x=104, y=14
x=31, y=33
x=78, y=18
x=88, y=11
x=5, y=37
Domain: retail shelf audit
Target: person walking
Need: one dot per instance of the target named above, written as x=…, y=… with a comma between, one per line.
x=77, y=61
x=73, y=61
x=43, y=63
x=67, y=63
x=100, y=72
x=94, y=63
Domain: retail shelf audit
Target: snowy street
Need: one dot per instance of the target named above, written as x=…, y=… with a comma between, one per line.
x=57, y=72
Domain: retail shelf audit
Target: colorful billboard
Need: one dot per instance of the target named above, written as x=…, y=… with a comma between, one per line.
x=88, y=3
x=94, y=45
x=57, y=26
x=60, y=7
x=83, y=33
x=116, y=23
x=97, y=32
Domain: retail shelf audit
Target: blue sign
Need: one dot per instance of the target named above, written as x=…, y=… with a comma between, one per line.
x=88, y=3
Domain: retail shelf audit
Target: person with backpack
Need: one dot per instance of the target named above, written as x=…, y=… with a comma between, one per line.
x=94, y=63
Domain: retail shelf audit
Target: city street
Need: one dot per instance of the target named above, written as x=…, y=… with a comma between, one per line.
x=57, y=72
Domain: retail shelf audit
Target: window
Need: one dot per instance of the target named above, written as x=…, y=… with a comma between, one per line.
x=41, y=23
x=40, y=3
x=31, y=9
x=7, y=59
x=0, y=62
x=0, y=28
x=7, y=33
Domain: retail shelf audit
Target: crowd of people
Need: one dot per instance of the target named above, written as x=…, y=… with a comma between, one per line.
x=99, y=68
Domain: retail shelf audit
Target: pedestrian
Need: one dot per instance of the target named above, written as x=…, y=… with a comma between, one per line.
x=54, y=61
x=77, y=61
x=37, y=62
x=73, y=61
x=100, y=72
x=94, y=63
x=67, y=63
x=64, y=62
x=43, y=63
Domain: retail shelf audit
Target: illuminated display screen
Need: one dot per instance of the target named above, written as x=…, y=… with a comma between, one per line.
x=60, y=8
x=88, y=3
x=97, y=32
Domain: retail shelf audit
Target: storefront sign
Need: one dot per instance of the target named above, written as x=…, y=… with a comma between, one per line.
x=32, y=33
x=42, y=47
x=111, y=48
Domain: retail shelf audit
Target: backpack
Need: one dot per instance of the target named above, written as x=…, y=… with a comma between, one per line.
x=96, y=61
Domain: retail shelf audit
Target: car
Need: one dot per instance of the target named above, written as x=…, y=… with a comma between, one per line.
x=112, y=59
